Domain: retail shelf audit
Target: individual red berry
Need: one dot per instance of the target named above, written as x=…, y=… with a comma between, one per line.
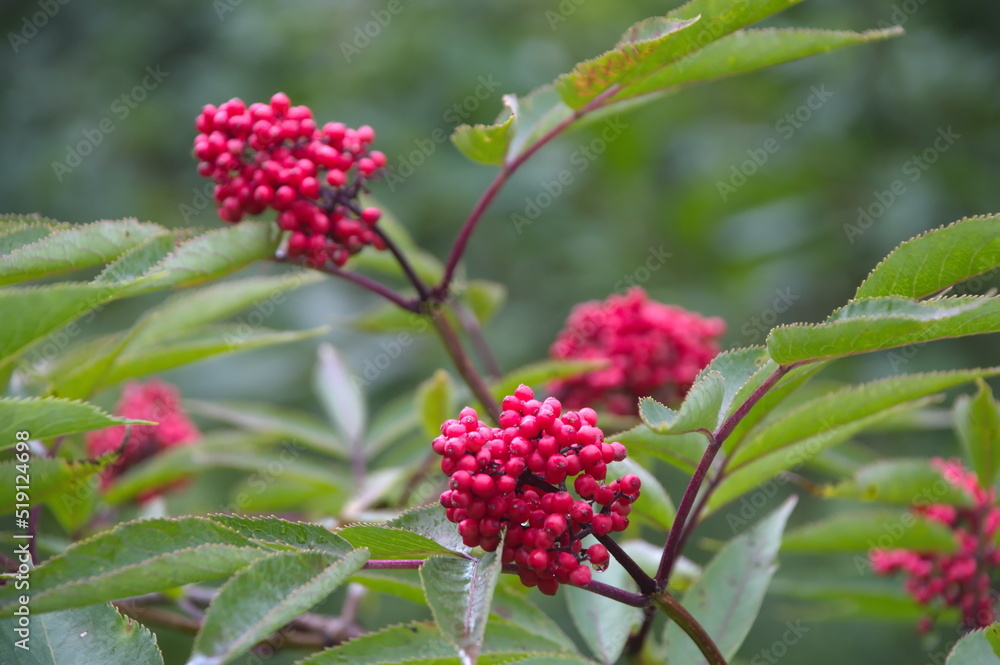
x=604, y=495
x=581, y=576
x=630, y=483
x=582, y=512
x=483, y=485
x=548, y=587
x=555, y=524
x=598, y=555
x=585, y=486
x=601, y=524
x=539, y=559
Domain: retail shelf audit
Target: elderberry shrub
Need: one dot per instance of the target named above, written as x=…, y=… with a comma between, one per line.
x=515, y=477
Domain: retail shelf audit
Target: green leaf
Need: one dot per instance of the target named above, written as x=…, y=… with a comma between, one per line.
x=775, y=398
x=386, y=542
x=389, y=318
x=937, y=259
x=799, y=451
x=191, y=309
x=430, y=521
x=604, y=624
x=680, y=450
x=192, y=346
x=184, y=461
x=48, y=417
x=484, y=143
x=435, y=402
x=393, y=585
x=210, y=255
x=656, y=506
x=839, y=598
x=460, y=593
x=537, y=374
x=16, y=231
x=50, y=477
x=900, y=481
x=137, y=261
x=274, y=531
x=299, y=426
x=135, y=558
x=833, y=417
x=94, y=635
x=700, y=410
x=738, y=53
x=691, y=44
x=77, y=372
x=657, y=46
x=340, y=395
x=424, y=643
x=977, y=420
x=515, y=607
x=975, y=649
x=727, y=597
x=884, y=323
x=863, y=531
x=266, y=595
x=45, y=309
x=75, y=247
x=484, y=298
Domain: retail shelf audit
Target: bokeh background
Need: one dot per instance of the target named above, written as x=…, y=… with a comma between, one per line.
x=788, y=244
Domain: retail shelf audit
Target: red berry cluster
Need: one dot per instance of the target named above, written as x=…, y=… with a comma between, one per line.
x=154, y=401
x=653, y=350
x=275, y=156
x=515, y=476
x=961, y=579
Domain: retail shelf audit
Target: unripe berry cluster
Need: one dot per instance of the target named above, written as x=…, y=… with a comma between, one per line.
x=515, y=476
x=154, y=401
x=962, y=578
x=652, y=349
x=276, y=156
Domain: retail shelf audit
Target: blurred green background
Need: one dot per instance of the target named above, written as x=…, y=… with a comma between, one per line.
x=788, y=244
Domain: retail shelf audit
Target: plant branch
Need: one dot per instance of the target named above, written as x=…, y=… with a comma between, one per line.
x=646, y=583
x=361, y=280
x=404, y=263
x=673, y=609
x=672, y=547
x=505, y=173
x=471, y=325
x=462, y=362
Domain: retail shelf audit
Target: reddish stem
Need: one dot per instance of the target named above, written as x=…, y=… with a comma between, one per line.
x=458, y=249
